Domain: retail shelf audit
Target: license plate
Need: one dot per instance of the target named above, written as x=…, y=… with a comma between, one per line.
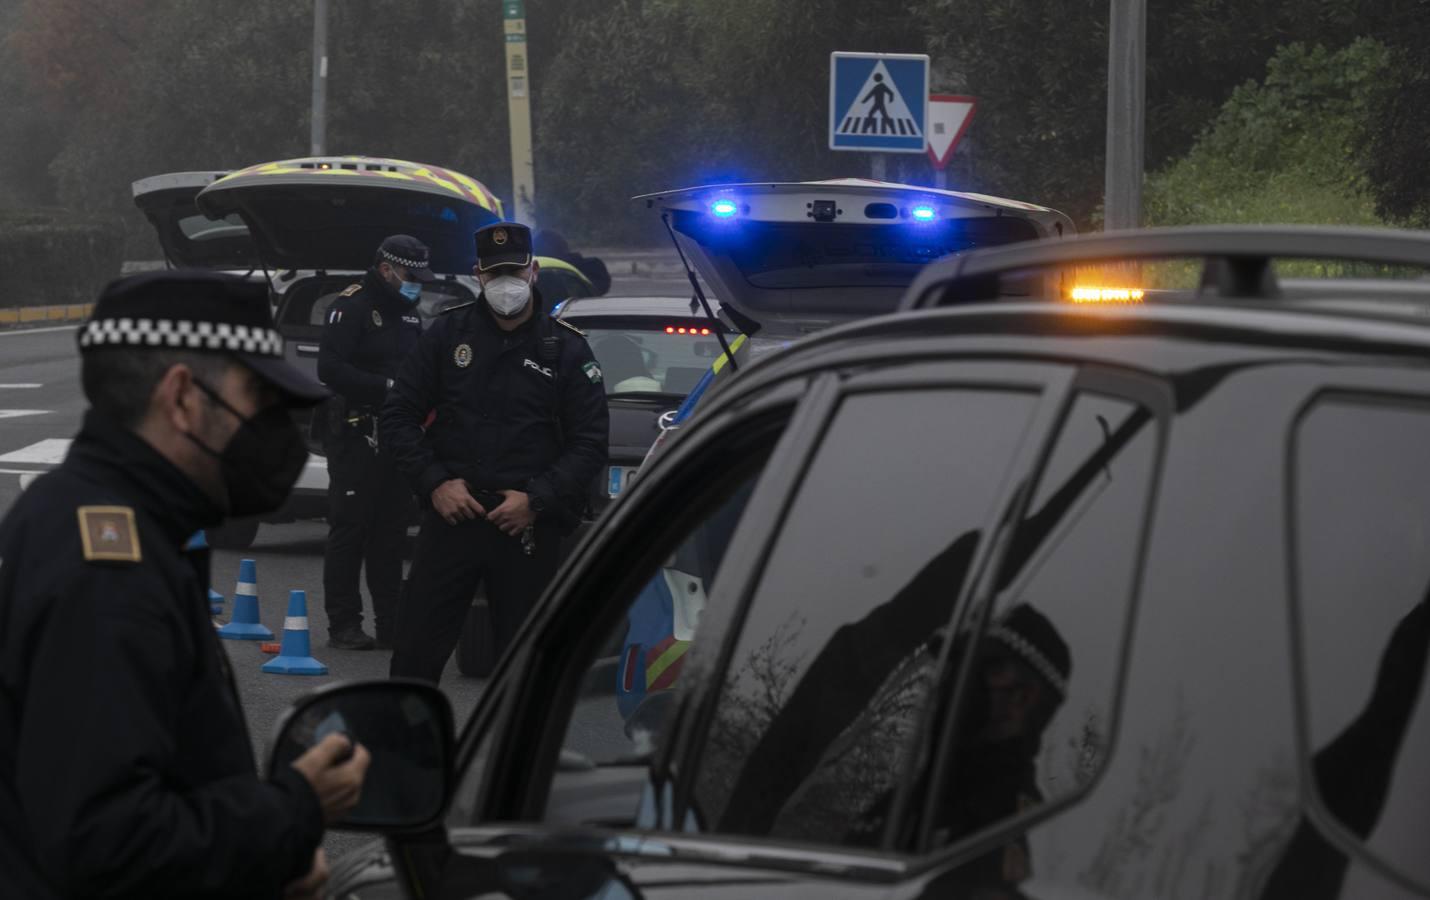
x=621, y=477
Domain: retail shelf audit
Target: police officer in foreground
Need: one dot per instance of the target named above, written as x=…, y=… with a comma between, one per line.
x=505, y=468
x=370, y=329
x=126, y=768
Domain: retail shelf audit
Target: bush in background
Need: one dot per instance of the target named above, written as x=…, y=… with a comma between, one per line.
x=53, y=257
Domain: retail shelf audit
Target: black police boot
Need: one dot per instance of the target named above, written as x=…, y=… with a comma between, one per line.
x=350, y=638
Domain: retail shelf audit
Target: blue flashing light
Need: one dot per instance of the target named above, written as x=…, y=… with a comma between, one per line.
x=724, y=209
x=923, y=213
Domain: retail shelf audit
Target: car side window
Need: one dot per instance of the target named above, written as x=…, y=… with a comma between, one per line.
x=831, y=669
x=1037, y=709
x=1361, y=532
x=623, y=708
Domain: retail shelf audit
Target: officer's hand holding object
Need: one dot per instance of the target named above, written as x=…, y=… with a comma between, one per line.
x=336, y=780
x=454, y=503
x=514, y=515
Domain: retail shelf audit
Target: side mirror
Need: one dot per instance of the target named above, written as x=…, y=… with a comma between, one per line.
x=407, y=727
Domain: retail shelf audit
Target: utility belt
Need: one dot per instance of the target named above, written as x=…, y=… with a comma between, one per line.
x=337, y=420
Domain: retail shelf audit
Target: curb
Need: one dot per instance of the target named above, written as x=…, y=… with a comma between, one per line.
x=27, y=315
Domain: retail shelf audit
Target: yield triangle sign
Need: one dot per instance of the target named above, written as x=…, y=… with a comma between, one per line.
x=949, y=116
x=879, y=109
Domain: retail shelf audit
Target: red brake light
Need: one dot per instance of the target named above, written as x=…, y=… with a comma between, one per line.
x=670, y=329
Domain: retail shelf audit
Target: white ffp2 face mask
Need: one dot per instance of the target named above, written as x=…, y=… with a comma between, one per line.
x=507, y=294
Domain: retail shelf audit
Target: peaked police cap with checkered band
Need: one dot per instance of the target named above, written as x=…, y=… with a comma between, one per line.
x=198, y=311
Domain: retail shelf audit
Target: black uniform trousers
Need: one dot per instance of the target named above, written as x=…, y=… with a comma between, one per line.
x=369, y=507
x=450, y=563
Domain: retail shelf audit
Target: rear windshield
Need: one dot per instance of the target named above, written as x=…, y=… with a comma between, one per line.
x=652, y=356
x=775, y=254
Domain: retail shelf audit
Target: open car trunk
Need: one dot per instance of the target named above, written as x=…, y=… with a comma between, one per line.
x=330, y=213
x=189, y=237
x=797, y=258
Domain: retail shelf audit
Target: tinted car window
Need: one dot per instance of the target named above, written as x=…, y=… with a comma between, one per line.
x=622, y=711
x=1039, y=705
x=1362, y=545
x=830, y=673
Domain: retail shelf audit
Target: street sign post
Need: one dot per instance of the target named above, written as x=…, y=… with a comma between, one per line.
x=949, y=117
x=518, y=99
x=878, y=102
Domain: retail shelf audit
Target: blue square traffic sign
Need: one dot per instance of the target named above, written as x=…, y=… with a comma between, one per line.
x=878, y=102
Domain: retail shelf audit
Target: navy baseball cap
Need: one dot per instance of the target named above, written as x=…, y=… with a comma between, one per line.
x=199, y=311
x=503, y=244
x=405, y=250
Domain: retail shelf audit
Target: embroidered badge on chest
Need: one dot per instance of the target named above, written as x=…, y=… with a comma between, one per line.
x=462, y=356
x=377, y=318
x=531, y=364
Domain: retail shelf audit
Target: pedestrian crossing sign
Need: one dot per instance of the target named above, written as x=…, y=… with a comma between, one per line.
x=878, y=102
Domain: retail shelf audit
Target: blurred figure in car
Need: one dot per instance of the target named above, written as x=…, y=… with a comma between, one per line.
x=369, y=329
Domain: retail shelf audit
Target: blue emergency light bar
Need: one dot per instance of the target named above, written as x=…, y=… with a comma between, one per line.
x=724, y=209
x=923, y=213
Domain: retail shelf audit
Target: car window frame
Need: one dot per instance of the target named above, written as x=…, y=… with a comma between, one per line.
x=517, y=785
x=1368, y=389
x=1146, y=391
x=1047, y=381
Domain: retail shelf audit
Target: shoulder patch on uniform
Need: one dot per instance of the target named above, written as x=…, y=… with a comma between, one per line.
x=568, y=326
x=593, y=371
x=443, y=312
x=109, y=534
x=351, y=289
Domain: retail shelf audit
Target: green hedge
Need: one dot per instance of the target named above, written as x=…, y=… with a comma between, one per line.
x=50, y=257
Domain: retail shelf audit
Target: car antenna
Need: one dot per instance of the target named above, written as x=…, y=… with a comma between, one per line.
x=700, y=295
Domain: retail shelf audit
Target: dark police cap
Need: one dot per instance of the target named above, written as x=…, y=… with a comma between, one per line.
x=503, y=244
x=405, y=250
x=198, y=311
x=1033, y=638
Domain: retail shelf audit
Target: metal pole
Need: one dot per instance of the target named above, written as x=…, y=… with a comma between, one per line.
x=518, y=81
x=320, y=78
x=1126, y=109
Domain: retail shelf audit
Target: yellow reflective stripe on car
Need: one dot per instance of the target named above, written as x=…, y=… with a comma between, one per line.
x=667, y=658
x=735, y=346
x=561, y=265
x=462, y=186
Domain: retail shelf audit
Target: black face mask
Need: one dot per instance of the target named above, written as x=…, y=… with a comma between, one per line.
x=261, y=462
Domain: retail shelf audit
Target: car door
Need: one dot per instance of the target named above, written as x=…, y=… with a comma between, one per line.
x=810, y=540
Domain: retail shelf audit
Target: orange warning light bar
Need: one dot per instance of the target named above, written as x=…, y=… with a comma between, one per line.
x=1083, y=294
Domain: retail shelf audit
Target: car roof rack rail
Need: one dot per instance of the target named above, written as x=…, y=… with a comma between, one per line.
x=1237, y=257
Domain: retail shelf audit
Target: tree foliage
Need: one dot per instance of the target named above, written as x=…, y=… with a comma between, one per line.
x=1286, y=149
x=631, y=96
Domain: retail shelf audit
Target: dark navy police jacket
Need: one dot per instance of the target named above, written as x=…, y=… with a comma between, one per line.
x=126, y=768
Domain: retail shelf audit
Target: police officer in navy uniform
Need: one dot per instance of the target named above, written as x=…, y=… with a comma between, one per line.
x=506, y=466
x=370, y=329
x=126, y=768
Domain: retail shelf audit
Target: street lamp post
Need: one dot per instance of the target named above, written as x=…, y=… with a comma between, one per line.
x=319, y=136
x=1126, y=110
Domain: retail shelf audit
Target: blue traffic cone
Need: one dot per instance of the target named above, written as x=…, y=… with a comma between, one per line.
x=215, y=602
x=244, y=626
x=295, y=657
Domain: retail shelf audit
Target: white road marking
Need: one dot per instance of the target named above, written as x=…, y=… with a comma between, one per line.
x=17, y=413
x=18, y=387
x=49, y=452
x=12, y=332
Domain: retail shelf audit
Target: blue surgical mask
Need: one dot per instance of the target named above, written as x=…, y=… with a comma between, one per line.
x=411, y=290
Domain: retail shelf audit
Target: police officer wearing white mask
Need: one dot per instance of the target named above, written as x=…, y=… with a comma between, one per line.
x=505, y=467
